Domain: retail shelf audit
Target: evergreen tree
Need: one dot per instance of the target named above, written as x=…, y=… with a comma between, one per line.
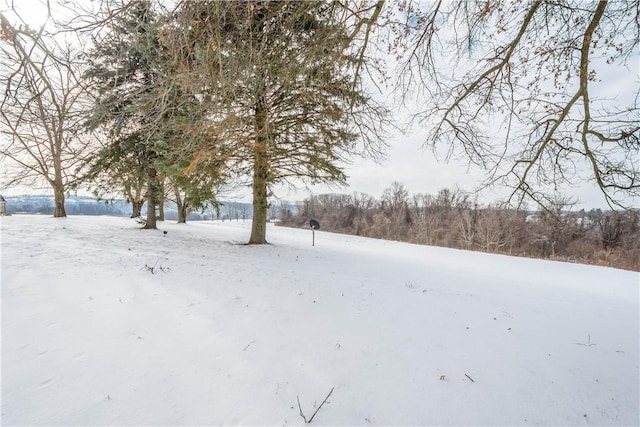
x=280, y=85
x=145, y=105
x=125, y=69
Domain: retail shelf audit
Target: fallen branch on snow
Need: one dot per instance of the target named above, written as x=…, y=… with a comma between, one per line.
x=314, y=414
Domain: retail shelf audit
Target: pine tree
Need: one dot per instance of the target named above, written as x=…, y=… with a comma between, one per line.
x=146, y=108
x=283, y=96
x=125, y=70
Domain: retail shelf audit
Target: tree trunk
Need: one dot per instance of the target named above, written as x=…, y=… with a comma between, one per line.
x=152, y=189
x=161, y=202
x=182, y=213
x=161, y=209
x=260, y=206
x=137, y=208
x=182, y=207
x=136, y=199
x=57, y=185
x=260, y=171
x=58, y=197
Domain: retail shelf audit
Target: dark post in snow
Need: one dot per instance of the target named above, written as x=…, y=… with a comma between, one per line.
x=315, y=225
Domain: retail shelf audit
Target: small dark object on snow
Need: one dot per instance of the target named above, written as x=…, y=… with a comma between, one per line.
x=164, y=232
x=315, y=225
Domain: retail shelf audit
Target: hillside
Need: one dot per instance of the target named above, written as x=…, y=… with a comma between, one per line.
x=106, y=324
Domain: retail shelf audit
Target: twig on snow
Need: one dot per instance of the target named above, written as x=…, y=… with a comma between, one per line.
x=314, y=414
x=152, y=269
x=301, y=413
x=588, y=344
x=469, y=378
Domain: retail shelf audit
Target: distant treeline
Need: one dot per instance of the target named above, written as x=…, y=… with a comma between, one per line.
x=75, y=205
x=453, y=219
x=84, y=205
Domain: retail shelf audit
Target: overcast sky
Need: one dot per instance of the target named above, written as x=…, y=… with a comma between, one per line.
x=407, y=162
x=421, y=172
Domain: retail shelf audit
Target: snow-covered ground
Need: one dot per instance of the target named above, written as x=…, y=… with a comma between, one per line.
x=106, y=324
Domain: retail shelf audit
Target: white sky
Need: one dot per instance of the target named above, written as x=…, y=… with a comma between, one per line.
x=407, y=162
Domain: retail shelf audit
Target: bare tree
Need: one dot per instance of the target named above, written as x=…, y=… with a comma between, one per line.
x=492, y=230
x=555, y=227
x=40, y=110
x=466, y=227
x=516, y=87
x=395, y=206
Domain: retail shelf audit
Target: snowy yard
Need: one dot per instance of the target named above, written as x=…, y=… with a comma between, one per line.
x=106, y=324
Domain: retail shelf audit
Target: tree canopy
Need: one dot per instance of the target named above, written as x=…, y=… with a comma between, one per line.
x=277, y=82
x=197, y=94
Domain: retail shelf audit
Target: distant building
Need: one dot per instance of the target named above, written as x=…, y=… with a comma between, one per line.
x=3, y=206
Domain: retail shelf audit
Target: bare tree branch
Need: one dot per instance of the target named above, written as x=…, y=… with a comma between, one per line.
x=530, y=69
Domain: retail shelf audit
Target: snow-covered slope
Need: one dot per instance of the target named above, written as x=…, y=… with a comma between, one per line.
x=106, y=324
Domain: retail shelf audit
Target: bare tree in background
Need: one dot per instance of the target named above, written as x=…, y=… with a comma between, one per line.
x=520, y=88
x=40, y=110
x=395, y=206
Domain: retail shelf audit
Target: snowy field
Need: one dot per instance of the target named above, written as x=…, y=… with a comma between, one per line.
x=106, y=324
